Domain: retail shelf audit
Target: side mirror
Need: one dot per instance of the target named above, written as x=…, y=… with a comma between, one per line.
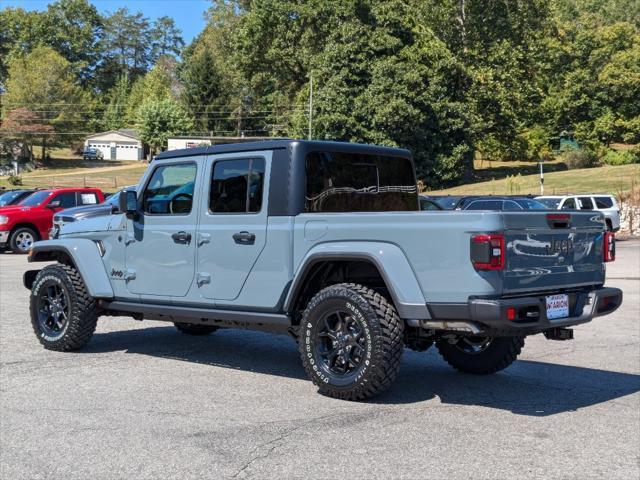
x=129, y=204
x=54, y=204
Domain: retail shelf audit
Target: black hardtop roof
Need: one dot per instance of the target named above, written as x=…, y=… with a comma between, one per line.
x=304, y=145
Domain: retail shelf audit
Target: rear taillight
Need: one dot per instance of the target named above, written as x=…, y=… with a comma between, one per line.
x=487, y=252
x=609, y=246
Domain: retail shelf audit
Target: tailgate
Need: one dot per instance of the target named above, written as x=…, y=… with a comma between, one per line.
x=552, y=251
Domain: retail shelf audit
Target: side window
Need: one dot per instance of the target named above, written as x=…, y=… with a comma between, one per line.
x=87, y=198
x=511, y=205
x=170, y=190
x=237, y=186
x=569, y=204
x=67, y=199
x=359, y=182
x=585, y=203
x=484, y=205
x=603, y=202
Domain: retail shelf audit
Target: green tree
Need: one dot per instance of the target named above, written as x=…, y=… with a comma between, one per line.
x=202, y=91
x=159, y=119
x=43, y=82
x=115, y=115
x=166, y=38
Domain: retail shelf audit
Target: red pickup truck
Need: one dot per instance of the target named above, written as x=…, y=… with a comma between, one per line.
x=31, y=219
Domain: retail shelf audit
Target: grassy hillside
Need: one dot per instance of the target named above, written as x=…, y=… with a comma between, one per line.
x=606, y=179
x=108, y=176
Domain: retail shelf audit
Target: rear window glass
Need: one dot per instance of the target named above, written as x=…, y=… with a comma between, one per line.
x=603, y=202
x=355, y=182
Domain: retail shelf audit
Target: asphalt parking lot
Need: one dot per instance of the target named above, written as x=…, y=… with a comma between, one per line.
x=143, y=401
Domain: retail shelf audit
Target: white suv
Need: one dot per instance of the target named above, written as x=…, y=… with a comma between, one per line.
x=602, y=203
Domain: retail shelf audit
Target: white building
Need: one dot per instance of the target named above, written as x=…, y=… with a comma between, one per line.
x=117, y=144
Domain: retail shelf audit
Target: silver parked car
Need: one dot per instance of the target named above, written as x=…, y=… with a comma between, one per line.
x=603, y=203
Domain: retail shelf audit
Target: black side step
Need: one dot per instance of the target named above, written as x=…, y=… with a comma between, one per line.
x=268, y=322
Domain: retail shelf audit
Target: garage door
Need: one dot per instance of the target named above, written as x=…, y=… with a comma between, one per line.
x=126, y=151
x=103, y=147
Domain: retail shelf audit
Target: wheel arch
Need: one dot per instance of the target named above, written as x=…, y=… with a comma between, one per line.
x=83, y=255
x=27, y=225
x=387, y=261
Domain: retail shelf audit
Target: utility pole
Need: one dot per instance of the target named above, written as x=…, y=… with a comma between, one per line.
x=239, y=119
x=310, y=106
x=541, y=177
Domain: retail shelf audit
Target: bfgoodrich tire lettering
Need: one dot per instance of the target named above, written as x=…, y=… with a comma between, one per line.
x=480, y=355
x=75, y=328
x=351, y=341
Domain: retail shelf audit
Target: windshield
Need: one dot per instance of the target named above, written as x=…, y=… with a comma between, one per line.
x=113, y=199
x=8, y=197
x=550, y=202
x=35, y=199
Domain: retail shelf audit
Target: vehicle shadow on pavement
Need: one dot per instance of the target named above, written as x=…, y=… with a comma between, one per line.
x=526, y=388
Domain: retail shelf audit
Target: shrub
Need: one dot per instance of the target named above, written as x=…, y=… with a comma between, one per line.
x=14, y=180
x=615, y=157
x=579, y=159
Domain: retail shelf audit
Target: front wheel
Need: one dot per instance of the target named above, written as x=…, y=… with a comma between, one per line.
x=22, y=239
x=480, y=355
x=351, y=341
x=63, y=315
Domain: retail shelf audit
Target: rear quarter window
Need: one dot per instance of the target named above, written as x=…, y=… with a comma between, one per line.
x=356, y=182
x=603, y=202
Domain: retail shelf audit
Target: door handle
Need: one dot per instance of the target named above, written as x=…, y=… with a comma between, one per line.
x=182, y=237
x=244, y=238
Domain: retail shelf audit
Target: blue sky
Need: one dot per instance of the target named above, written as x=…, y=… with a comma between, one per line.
x=188, y=14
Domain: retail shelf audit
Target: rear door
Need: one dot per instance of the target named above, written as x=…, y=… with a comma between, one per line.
x=233, y=222
x=546, y=251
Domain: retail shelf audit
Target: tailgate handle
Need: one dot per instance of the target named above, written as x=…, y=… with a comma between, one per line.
x=559, y=220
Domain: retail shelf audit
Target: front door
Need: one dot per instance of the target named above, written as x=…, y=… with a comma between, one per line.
x=160, y=244
x=233, y=223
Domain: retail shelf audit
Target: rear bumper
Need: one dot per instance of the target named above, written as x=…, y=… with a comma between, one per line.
x=531, y=312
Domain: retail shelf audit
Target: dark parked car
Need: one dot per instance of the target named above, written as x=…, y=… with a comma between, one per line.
x=446, y=202
x=92, y=154
x=13, y=197
x=499, y=203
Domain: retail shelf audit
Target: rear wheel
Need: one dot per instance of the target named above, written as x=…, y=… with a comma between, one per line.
x=63, y=315
x=21, y=239
x=351, y=341
x=480, y=355
x=191, y=329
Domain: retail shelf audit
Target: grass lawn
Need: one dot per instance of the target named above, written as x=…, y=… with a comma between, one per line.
x=606, y=179
x=108, y=176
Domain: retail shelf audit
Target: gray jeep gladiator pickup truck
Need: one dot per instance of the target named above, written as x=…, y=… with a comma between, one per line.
x=323, y=241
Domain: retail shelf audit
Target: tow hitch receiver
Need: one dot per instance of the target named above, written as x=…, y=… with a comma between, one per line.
x=559, y=333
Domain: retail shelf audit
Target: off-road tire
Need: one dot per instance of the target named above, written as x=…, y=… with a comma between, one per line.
x=83, y=312
x=14, y=239
x=498, y=355
x=191, y=329
x=382, y=333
